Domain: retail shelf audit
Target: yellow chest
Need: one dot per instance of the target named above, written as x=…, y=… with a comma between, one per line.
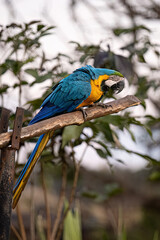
x=96, y=92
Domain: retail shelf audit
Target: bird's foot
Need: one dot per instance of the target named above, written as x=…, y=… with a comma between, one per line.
x=99, y=104
x=92, y=105
x=83, y=113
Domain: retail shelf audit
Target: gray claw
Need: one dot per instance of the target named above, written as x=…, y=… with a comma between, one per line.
x=83, y=112
x=103, y=105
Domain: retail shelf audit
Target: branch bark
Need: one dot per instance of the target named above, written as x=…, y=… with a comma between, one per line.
x=66, y=119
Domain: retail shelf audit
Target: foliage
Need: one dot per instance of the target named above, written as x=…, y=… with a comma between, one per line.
x=23, y=42
x=27, y=66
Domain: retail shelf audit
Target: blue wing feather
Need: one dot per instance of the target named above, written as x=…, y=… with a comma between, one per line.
x=68, y=94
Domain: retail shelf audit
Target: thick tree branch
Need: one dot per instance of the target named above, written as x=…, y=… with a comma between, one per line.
x=75, y=117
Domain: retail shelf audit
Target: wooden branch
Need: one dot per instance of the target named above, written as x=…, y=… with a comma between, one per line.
x=66, y=119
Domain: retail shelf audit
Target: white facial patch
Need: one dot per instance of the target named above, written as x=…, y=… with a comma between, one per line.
x=109, y=83
x=113, y=80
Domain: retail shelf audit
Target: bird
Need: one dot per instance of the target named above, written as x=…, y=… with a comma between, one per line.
x=85, y=86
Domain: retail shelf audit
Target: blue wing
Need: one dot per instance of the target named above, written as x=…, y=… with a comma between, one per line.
x=66, y=96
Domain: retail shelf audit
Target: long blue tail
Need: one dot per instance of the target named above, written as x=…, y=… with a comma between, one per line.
x=23, y=178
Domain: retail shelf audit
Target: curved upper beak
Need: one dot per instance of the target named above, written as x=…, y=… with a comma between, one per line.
x=114, y=84
x=118, y=87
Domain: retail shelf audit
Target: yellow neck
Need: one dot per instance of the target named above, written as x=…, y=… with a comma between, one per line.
x=98, y=82
x=96, y=92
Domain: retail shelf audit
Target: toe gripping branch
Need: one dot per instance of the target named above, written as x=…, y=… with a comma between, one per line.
x=103, y=105
x=84, y=113
x=99, y=104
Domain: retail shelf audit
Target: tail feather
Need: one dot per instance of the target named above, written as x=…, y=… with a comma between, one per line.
x=23, y=178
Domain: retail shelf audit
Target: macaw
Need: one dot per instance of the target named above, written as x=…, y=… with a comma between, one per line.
x=85, y=86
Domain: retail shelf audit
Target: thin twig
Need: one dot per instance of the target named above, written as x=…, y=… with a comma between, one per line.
x=72, y=195
x=61, y=201
x=48, y=215
x=83, y=153
x=21, y=223
x=14, y=230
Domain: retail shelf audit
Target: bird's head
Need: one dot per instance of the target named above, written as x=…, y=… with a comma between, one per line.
x=108, y=80
x=114, y=83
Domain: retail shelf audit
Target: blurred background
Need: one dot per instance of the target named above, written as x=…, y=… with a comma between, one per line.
x=117, y=181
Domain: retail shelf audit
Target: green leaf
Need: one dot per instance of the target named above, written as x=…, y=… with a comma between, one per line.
x=157, y=53
x=42, y=78
x=33, y=22
x=101, y=152
x=119, y=31
x=46, y=156
x=33, y=72
x=123, y=234
x=14, y=65
x=115, y=120
x=141, y=58
x=14, y=25
x=35, y=103
x=103, y=145
x=143, y=103
x=83, y=58
x=20, y=84
x=155, y=176
x=120, y=161
x=40, y=27
x=146, y=157
x=156, y=235
x=148, y=130
x=71, y=133
x=72, y=224
x=104, y=127
x=143, y=86
x=131, y=134
x=90, y=194
x=3, y=88
x=152, y=120
x=3, y=68
x=112, y=189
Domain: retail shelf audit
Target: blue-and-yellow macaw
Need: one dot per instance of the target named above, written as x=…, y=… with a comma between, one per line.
x=83, y=87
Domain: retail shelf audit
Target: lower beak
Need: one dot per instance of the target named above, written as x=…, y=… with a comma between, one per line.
x=118, y=87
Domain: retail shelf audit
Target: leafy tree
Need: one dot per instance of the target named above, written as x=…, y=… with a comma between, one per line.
x=28, y=66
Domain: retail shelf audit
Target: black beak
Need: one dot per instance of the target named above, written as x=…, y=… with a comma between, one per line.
x=117, y=87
